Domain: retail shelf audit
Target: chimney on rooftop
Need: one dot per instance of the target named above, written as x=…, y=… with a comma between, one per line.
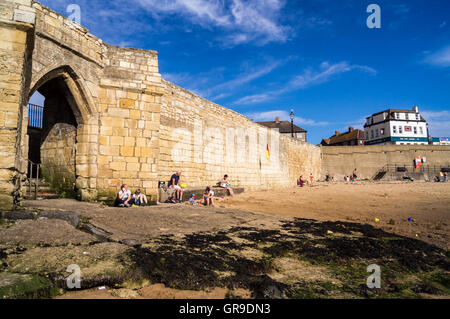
x=351, y=129
x=277, y=120
x=337, y=133
x=416, y=109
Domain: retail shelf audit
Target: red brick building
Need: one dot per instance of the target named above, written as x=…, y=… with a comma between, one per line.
x=351, y=138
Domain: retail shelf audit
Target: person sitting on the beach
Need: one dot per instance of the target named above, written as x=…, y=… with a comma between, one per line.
x=174, y=183
x=354, y=177
x=223, y=183
x=192, y=200
x=139, y=198
x=124, y=198
x=301, y=182
x=208, y=197
x=407, y=178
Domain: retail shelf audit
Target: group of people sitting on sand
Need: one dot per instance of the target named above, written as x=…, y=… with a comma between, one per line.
x=208, y=196
x=124, y=197
x=301, y=182
x=351, y=178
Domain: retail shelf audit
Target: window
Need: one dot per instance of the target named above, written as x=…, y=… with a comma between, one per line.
x=417, y=117
x=421, y=130
x=397, y=116
x=382, y=131
x=400, y=129
x=395, y=129
x=371, y=135
x=377, y=133
x=415, y=130
x=367, y=135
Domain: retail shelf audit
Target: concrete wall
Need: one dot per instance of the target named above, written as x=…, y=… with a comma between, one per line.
x=341, y=161
x=206, y=141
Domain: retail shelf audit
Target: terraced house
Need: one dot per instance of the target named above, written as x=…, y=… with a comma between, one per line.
x=397, y=127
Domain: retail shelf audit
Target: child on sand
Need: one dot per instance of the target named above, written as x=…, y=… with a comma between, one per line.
x=139, y=198
x=208, y=197
x=192, y=200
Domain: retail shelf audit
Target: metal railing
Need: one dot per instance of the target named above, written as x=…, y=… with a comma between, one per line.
x=425, y=168
x=31, y=178
x=35, y=116
x=401, y=168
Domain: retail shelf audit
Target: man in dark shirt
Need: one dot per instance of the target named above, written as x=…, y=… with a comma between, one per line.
x=174, y=183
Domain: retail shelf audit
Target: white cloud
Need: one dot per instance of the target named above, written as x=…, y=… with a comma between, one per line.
x=307, y=79
x=284, y=116
x=248, y=21
x=439, y=122
x=400, y=9
x=440, y=58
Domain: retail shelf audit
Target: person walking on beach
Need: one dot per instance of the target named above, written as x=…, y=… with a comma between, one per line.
x=311, y=178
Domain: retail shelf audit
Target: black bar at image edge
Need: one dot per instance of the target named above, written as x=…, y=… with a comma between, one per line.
x=230, y=308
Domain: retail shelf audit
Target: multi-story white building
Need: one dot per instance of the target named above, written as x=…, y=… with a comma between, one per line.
x=396, y=127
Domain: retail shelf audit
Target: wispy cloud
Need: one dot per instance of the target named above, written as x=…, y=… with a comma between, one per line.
x=440, y=58
x=400, y=8
x=439, y=122
x=284, y=116
x=248, y=21
x=201, y=83
x=443, y=24
x=307, y=79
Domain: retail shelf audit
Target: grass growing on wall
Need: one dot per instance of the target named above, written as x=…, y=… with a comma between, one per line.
x=60, y=179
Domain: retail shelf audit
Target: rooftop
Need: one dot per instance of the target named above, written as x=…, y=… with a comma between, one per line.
x=283, y=126
x=338, y=137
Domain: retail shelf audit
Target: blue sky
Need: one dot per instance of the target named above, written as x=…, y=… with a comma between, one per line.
x=263, y=57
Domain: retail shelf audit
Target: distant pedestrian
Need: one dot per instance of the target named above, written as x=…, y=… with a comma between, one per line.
x=311, y=178
x=354, y=174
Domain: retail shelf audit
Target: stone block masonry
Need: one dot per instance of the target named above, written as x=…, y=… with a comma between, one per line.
x=129, y=126
x=340, y=161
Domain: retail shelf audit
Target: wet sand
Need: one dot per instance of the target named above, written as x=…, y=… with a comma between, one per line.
x=428, y=204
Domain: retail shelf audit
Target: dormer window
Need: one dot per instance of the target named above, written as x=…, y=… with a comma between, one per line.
x=397, y=116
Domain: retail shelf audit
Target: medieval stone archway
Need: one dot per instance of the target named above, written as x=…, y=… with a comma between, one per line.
x=58, y=146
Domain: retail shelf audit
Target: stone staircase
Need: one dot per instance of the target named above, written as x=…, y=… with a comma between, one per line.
x=43, y=190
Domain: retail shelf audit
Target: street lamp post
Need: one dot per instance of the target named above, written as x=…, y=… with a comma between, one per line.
x=292, y=122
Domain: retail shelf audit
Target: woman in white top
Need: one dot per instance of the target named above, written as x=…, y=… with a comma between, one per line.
x=225, y=184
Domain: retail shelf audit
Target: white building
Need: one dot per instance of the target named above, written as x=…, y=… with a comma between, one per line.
x=396, y=127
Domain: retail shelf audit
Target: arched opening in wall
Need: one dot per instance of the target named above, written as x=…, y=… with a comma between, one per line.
x=52, y=132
